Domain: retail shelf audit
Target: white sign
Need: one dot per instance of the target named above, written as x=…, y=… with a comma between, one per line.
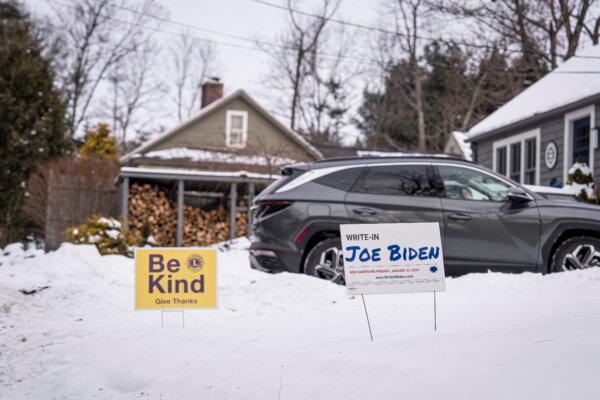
x=393, y=258
x=551, y=155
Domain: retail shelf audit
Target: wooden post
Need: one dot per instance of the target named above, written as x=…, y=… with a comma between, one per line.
x=125, y=201
x=250, y=200
x=180, y=187
x=232, y=210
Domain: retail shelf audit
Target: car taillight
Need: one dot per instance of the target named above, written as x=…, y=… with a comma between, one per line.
x=267, y=207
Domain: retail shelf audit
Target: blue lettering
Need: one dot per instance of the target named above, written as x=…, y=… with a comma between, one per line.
x=354, y=249
x=434, y=252
x=412, y=253
x=376, y=256
x=394, y=250
x=423, y=253
x=364, y=255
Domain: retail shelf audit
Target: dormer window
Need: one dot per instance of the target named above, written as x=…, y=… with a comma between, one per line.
x=236, y=128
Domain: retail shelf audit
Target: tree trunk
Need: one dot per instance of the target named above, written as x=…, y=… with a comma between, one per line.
x=419, y=107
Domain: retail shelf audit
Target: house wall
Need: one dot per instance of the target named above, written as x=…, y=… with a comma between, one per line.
x=263, y=137
x=552, y=129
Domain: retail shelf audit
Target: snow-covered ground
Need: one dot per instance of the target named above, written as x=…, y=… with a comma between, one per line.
x=286, y=336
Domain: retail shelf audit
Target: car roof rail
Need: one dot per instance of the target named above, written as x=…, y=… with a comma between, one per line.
x=417, y=156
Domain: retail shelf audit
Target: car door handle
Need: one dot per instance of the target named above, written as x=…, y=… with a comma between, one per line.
x=459, y=217
x=364, y=211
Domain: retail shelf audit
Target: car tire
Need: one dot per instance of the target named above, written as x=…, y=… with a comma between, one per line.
x=325, y=261
x=578, y=252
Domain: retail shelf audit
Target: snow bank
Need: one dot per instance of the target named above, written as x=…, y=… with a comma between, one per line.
x=291, y=336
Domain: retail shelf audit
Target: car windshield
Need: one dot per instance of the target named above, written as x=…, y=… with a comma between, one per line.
x=467, y=184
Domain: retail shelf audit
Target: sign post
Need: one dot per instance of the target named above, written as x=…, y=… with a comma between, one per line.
x=367, y=315
x=393, y=258
x=175, y=279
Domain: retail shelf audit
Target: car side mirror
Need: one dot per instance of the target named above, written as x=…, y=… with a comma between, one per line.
x=518, y=195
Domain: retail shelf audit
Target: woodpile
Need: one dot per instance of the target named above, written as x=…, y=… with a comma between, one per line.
x=200, y=227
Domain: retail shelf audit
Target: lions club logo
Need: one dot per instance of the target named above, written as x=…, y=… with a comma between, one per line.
x=195, y=262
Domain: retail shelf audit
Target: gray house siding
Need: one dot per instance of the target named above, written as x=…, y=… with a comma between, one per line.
x=552, y=129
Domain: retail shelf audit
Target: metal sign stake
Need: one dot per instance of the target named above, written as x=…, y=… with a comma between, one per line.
x=162, y=317
x=434, y=313
x=367, y=315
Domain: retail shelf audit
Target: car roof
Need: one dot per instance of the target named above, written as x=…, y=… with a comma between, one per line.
x=331, y=162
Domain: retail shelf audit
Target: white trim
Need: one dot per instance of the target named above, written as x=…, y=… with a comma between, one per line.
x=520, y=138
x=313, y=174
x=568, y=136
x=229, y=115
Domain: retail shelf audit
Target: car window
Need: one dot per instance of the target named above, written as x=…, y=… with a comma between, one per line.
x=467, y=184
x=342, y=180
x=404, y=180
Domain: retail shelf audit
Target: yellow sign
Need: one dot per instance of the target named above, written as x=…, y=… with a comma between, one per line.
x=175, y=278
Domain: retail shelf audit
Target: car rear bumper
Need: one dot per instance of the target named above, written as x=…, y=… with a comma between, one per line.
x=269, y=259
x=266, y=264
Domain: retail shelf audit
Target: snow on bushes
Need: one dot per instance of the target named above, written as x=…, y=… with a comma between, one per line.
x=108, y=235
x=581, y=182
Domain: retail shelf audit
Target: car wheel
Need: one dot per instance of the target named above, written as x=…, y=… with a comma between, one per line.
x=576, y=253
x=325, y=261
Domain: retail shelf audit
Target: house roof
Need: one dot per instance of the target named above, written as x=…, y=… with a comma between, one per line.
x=576, y=79
x=332, y=150
x=240, y=93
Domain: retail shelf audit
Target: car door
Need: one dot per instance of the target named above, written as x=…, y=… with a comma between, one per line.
x=483, y=229
x=395, y=193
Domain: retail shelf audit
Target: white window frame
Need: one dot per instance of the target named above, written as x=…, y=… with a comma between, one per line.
x=236, y=113
x=520, y=138
x=588, y=111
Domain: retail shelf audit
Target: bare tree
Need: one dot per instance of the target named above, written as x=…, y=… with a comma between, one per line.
x=296, y=53
x=134, y=90
x=191, y=62
x=94, y=36
x=326, y=95
x=592, y=28
x=404, y=43
x=546, y=29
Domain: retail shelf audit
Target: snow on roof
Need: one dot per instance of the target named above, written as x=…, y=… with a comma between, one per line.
x=576, y=79
x=465, y=147
x=130, y=171
x=216, y=156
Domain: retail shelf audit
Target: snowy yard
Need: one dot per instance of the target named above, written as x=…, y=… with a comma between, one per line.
x=290, y=336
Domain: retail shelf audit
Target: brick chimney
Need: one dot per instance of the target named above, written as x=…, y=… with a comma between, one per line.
x=212, y=90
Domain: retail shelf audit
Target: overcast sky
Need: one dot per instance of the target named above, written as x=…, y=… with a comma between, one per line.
x=240, y=67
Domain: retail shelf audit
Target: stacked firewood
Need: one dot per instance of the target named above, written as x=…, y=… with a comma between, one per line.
x=200, y=227
x=151, y=203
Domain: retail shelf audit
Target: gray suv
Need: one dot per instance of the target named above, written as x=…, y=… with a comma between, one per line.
x=487, y=222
